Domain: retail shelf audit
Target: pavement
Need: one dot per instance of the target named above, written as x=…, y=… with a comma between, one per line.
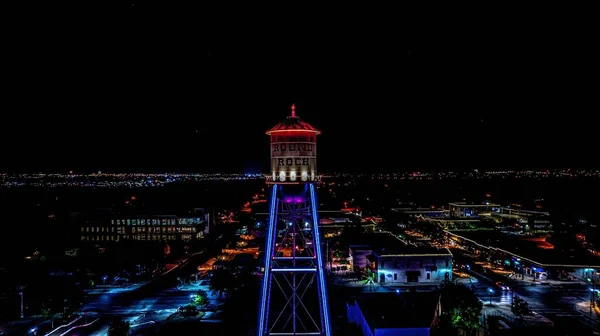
x=108, y=303
x=554, y=303
x=113, y=304
x=147, y=307
x=24, y=326
x=562, y=302
x=79, y=322
x=119, y=289
x=361, y=287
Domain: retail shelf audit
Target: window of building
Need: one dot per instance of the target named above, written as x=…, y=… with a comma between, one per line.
x=428, y=276
x=395, y=276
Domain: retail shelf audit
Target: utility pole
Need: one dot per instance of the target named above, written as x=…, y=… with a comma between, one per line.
x=327, y=256
x=21, y=295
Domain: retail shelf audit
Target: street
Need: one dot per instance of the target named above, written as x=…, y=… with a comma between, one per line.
x=560, y=303
x=557, y=304
x=146, y=305
x=144, y=313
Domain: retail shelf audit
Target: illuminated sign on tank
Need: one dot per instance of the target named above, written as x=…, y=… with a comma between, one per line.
x=293, y=149
x=293, y=162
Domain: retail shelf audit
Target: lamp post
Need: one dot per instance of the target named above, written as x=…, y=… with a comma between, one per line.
x=512, y=296
x=490, y=291
x=593, y=297
x=21, y=295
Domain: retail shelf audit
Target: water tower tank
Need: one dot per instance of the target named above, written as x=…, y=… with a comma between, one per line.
x=293, y=151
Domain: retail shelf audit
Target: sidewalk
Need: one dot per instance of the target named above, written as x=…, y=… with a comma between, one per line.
x=36, y=325
x=382, y=287
x=584, y=308
x=529, y=280
x=114, y=290
x=78, y=322
x=535, y=320
x=202, y=284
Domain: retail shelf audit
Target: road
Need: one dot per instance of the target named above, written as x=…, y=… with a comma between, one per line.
x=159, y=298
x=558, y=303
x=143, y=313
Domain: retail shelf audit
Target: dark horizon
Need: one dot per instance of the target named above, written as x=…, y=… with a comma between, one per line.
x=153, y=96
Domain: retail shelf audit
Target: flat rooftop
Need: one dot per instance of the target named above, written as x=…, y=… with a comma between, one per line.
x=404, y=310
x=534, y=249
x=385, y=243
x=473, y=205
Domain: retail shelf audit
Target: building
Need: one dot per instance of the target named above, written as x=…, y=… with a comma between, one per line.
x=463, y=209
x=358, y=254
x=422, y=212
x=529, y=220
x=395, y=261
x=108, y=226
x=528, y=255
x=405, y=314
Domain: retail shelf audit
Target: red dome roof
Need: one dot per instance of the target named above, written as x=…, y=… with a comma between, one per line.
x=293, y=123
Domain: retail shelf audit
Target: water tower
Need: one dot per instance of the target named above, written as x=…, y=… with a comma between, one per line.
x=294, y=292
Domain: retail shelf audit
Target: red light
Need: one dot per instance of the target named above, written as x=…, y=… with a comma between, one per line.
x=293, y=110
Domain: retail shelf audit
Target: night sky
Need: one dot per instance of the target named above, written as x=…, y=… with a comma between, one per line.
x=155, y=89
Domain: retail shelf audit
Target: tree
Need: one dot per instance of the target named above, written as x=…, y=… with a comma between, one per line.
x=245, y=278
x=520, y=307
x=222, y=281
x=201, y=298
x=461, y=305
x=118, y=328
x=48, y=311
x=338, y=254
x=368, y=276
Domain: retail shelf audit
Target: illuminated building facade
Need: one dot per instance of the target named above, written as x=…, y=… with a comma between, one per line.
x=113, y=227
x=294, y=294
x=462, y=209
x=393, y=261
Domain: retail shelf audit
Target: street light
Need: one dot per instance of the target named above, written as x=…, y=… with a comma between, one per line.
x=490, y=291
x=22, y=288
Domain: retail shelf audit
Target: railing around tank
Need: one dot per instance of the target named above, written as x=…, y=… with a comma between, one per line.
x=270, y=180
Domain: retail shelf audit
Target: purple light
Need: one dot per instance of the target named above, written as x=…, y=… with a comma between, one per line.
x=294, y=200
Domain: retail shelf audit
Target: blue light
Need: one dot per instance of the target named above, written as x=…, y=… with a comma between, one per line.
x=272, y=230
x=321, y=275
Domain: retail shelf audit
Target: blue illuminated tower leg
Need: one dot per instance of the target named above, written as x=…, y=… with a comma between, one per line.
x=294, y=292
x=271, y=235
x=324, y=300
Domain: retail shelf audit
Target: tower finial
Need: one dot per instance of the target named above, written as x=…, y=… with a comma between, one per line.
x=293, y=110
